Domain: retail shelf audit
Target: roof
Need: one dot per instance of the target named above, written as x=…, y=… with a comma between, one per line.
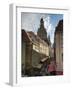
x=35, y=38
x=25, y=37
x=32, y=37
x=59, y=27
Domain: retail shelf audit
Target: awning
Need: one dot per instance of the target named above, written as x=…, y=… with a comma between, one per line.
x=38, y=66
x=44, y=59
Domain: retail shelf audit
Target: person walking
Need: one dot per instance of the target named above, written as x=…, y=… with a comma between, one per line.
x=52, y=68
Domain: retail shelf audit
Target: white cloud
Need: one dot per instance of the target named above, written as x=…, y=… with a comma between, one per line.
x=49, y=27
x=31, y=22
x=52, y=36
x=47, y=24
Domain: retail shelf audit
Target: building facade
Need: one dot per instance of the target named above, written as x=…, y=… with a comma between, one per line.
x=33, y=50
x=58, y=46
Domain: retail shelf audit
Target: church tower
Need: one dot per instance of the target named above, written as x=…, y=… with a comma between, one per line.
x=42, y=31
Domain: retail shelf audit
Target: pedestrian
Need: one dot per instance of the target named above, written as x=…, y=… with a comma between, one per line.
x=43, y=70
x=52, y=68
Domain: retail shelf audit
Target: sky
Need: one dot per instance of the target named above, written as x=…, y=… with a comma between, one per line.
x=31, y=22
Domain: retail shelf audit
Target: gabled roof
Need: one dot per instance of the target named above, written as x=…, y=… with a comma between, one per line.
x=25, y=37
x=31, y=37
x=35, y=38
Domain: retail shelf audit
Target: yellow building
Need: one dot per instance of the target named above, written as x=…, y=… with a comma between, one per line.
x=59, y=46
x=40, y=49
x=33, y=50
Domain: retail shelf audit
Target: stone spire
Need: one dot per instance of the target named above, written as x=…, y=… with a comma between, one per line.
x=42, y=31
